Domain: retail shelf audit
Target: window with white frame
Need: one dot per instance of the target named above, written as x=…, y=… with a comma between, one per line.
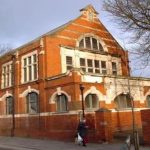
x=91, y=43
x=90, y=65
x=103, y=67
x=93, y=66
x=29, y=67
x=83, y=64
x=69, y=63
x=114, y=68
x=91, y=101
x=61, y=103
x=7, y=78
x=32, y=103
x=9, y=105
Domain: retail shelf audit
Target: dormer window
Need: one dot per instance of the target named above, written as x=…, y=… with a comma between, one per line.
x=90, y=43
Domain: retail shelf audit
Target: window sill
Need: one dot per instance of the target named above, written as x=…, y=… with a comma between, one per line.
x=29, y=81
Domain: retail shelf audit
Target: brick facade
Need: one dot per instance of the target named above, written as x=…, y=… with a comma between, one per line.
x=53, y=80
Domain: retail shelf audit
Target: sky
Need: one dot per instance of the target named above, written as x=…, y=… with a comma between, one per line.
x=24, y=20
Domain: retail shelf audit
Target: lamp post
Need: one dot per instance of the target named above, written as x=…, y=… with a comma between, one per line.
x=82, y=98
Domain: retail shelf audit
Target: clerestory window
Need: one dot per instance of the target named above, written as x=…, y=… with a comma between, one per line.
x=90, y=43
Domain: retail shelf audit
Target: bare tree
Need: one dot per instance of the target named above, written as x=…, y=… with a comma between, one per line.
x=133, y=16
x=4, y=48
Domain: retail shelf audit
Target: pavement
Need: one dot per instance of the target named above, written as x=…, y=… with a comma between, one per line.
x=17, y=143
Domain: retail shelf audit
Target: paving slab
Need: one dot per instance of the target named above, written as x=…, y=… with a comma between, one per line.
x=17, y=143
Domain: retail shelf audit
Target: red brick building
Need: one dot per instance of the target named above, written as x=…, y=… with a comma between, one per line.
x=41, y=79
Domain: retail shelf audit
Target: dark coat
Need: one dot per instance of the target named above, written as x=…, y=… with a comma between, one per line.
x=82, y=129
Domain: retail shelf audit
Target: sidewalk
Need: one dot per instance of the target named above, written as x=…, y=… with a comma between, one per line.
x=16, y=143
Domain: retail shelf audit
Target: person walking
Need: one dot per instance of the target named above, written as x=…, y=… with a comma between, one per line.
x=82, y=131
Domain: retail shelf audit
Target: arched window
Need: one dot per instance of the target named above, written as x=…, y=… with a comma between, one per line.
x=123, y=101
x=90, y=43
x=91, y=101
x=148, y=101
x=9, y=105
x=32, y=103
x=61, y=103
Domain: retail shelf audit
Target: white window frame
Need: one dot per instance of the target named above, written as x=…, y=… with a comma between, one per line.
x=69, y=65
x=114, y=70
x=77, y=54
x=7, y=82
x=27, y=67
x=91, y=43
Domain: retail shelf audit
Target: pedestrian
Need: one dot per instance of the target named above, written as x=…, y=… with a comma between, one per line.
x=82, y=131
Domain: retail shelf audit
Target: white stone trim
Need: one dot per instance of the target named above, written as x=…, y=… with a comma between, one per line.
x=148, y=93
x=29, y=90
x=59, y=92
x=93, y=90
x=77, y=54
x=7, y=94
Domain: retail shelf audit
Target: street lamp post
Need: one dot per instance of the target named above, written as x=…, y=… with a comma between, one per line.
x=82, y=98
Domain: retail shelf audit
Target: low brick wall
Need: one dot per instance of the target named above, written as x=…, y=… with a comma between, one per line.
x=102, y=125
x=145, y=117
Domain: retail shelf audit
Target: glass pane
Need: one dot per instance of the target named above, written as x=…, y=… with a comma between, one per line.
x=81, y=44
x=34, y=58
x=122, y=102
x=30, y=73
x=61, y=103
x=25, y=62
x=9, y=105
x=83, y=69
x=29, y=60
x=148, y=100
x=25, y=74
x=69, y=67
x=96, y=62
x=94, y=101
x=88, y=42
x=97, y=70
x=35, y=71
x=100, y=47
x=114, y=66
x=103, y=64
x=82, y=62
x=94, y=42
x=89, y=62
x=69, y=60
x=87, y=102
x=32, y=104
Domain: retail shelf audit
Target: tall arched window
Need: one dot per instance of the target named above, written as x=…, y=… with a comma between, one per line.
x=9, y=105
x=123, y=101
x=32, y=103
x=91, y=101
x=148, y=101
x=91, y=43
x=61, y=103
